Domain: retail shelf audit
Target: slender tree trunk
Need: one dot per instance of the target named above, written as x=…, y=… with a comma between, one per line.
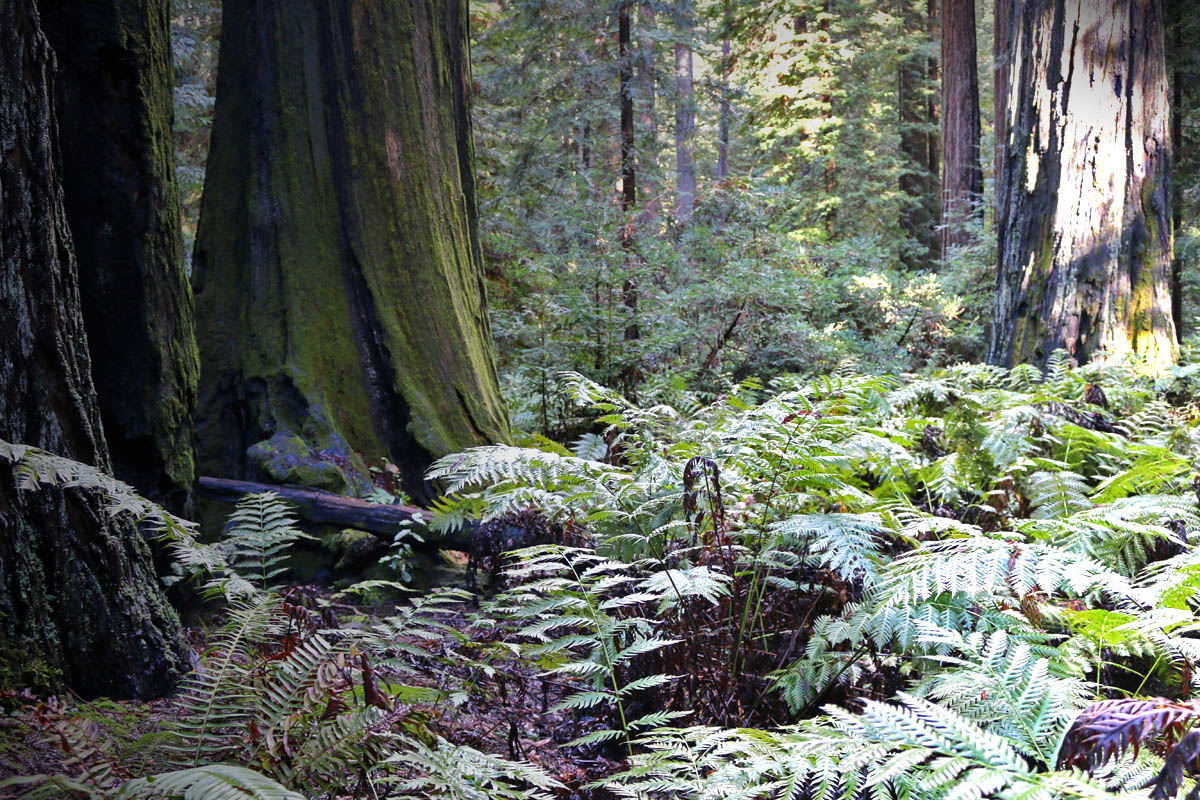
x=625, y=101
x=726, y=110
x=685, y=123
x=339, y=292
x=962, y=179
x=114, y=95
x=1178, y=92
x=647, y=76
x=628, y=177
x=79, y=599
x=918, y=181
x=933, y=143
x=1085, y=245
x=827, y=105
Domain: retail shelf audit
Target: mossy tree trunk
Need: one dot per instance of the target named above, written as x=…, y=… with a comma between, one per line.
x=1085, y=239
x=338, y=286
x=114, y=105
x=79, y=598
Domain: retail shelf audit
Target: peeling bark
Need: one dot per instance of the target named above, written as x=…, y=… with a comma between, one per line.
x=338, y=285
x=1085, y=240
x=79, y=599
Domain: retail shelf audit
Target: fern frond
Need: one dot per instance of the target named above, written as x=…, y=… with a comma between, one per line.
x=210, y=782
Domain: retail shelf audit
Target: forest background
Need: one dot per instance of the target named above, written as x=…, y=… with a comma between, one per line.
x=788, y=202
x=712, y=235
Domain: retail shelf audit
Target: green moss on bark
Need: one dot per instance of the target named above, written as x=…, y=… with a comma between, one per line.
x=114, y=94
x=338, y=282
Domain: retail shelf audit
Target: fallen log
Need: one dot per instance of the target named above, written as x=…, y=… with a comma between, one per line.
x=326, y=508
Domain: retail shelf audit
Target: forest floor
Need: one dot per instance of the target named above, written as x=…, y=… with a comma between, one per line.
x=506, y=713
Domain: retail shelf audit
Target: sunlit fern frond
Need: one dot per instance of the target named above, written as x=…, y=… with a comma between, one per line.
x=458, y=772
x=210, y=782
x=1124, y=533
x=1004, y=685
x=848, y=544
x=984, y=568
x=1055, y=494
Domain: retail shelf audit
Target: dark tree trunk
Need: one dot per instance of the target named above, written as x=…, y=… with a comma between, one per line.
x=962, y=179
x=933, y=141
x=625, y=101
x=1085, y=244
x=628, y=176
x=1001, y=21
x=339, y=292
x=114, y=96
x=918, y=180
x=685, y=123
x=78, y=593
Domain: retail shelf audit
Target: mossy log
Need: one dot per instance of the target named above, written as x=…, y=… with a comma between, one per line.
x=79, y=599
x=325, y=508
x=338, y=284
x=114, y=95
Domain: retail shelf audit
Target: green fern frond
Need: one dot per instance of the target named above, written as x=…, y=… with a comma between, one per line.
x=210, y=782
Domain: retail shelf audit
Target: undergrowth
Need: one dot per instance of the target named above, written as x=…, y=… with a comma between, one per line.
x=967, y=583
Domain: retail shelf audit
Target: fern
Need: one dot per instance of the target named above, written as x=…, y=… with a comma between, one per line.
x=260, y=533
x=211, y=782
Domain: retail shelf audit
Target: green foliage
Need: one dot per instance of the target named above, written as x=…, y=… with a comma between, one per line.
x=998, y=575
x=258, y=536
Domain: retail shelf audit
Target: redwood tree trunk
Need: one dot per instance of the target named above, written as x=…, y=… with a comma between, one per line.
x=1085, y=242
x=628, y=174
x=647, y=75
x=962, y=179
x=919, y=179
x=685, y=125
x=1001, y=22
x=78, y=593
x=1181, y=87
x=339, y=292
x=114, y=95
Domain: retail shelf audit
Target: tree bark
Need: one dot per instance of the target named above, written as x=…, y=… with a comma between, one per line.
x=1085, y=243
x=1001, y=25
x=628, y=174
x=339, y=292
x=114, y=96
x=918, y=180
x=79, y=599
x=647, y=75
x=625, y=102
x=685, y=124
x=962, y=179
x=1179, y=87
x=726, y=110
x=933, y=141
